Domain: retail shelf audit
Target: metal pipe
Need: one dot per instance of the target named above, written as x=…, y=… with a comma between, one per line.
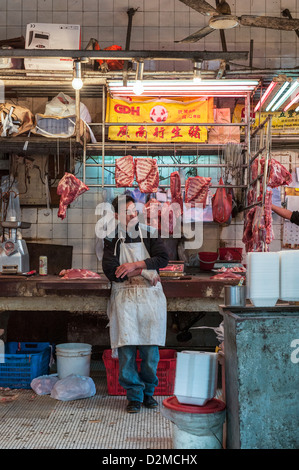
x=202, y=124
x=124, y=55
x=241, y=186
x=77, y=98
x=268, y=145
x=261, y=150
x=251, y=206
x=259, y=176
x=103, y=132
x=172, y=165
x=260, y=126
x=84, y=153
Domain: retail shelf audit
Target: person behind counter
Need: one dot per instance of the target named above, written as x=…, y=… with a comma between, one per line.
x=137, y=309
x=292, y=216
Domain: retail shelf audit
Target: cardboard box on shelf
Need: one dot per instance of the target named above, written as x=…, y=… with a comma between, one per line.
x=43, y=36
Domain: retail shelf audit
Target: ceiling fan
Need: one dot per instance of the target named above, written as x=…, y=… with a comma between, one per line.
x=221, y=18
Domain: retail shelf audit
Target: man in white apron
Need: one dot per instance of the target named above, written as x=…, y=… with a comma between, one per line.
x=137, y=309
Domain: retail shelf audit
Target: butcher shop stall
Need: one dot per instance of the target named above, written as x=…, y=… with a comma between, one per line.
x=205, y=154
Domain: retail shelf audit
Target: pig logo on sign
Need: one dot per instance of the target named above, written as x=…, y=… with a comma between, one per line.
x=158, y=113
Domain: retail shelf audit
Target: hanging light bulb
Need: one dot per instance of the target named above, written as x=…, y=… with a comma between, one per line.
x=138, y=88
x=197, y=73
x=77, y=83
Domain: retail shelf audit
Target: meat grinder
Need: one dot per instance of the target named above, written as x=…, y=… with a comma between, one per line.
x=14, y=256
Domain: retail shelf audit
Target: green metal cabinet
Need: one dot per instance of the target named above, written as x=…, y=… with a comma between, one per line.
x=261, y=348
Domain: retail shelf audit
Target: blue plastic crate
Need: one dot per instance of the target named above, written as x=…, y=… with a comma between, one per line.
x=23, y=362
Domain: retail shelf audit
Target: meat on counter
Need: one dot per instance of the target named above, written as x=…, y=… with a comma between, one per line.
x=78, y=274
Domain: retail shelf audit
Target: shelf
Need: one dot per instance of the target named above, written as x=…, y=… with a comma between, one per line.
x=37, y=145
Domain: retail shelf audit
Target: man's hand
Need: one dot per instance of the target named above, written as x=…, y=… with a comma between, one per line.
x=124, y=269
x=156, y=280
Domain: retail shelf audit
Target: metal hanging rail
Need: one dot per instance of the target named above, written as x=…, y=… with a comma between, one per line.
x=102, y=145
x=240, y=186
x=263, y=147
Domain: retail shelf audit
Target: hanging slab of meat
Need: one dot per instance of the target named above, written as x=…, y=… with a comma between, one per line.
x=78, y=274
x=247, y=233
x=124, y=171
x=152, y=213
x=175, y=189
x=197, y=188
x=258, y=229
x=170, y=217
x=69, y=188
x=278, y=174
x=268, y=217
x=147, y=175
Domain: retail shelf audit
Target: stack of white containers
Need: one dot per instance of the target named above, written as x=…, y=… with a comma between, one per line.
x=262, y=278
x=196, y=377
x=289, y=288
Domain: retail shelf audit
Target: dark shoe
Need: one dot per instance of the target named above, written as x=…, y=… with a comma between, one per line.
x=133, y=407
x=149, y=402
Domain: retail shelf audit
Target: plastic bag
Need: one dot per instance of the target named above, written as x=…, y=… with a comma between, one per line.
x=222, y=205
x=110, y=64
x=63, y=105
x=62, y=127
x=44, y=384
x=55, y=126
x=73, y=387
x=15, y=120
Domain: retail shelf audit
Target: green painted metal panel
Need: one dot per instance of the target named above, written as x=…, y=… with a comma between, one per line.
x=262, y=378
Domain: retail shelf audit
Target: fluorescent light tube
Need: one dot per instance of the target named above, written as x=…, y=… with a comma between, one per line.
x=265, y=95
x=286, y=95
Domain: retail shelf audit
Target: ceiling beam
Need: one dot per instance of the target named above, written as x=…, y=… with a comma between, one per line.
x=124, y=55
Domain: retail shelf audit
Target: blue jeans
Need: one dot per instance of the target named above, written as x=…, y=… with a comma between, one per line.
x=138, y=384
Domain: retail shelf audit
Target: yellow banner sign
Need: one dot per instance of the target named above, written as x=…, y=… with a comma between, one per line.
x=283, y=122
x=143, y=111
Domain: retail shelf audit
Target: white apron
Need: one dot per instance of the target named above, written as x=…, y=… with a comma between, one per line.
x=137, y=311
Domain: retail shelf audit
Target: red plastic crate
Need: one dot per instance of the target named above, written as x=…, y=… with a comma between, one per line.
x=165, y=372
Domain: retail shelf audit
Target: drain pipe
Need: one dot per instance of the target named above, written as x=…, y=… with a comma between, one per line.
x=131, y=12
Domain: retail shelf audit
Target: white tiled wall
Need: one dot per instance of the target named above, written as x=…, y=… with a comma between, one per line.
x=157, y=24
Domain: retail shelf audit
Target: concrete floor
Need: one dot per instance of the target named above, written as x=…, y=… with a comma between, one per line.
x=31, y=421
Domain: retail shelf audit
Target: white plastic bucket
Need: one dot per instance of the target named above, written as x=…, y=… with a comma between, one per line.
x=195, y=427
x=73, y=358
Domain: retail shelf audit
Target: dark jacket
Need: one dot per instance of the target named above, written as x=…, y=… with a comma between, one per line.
x=295, y=217
x=154, y=245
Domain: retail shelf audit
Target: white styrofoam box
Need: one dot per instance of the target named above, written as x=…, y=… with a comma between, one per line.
x=262, y=278
x=289, y=261
x=41, y=36
x=196, y=377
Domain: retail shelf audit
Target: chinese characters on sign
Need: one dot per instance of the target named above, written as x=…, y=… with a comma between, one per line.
x=283, y=122
x=160, y=113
